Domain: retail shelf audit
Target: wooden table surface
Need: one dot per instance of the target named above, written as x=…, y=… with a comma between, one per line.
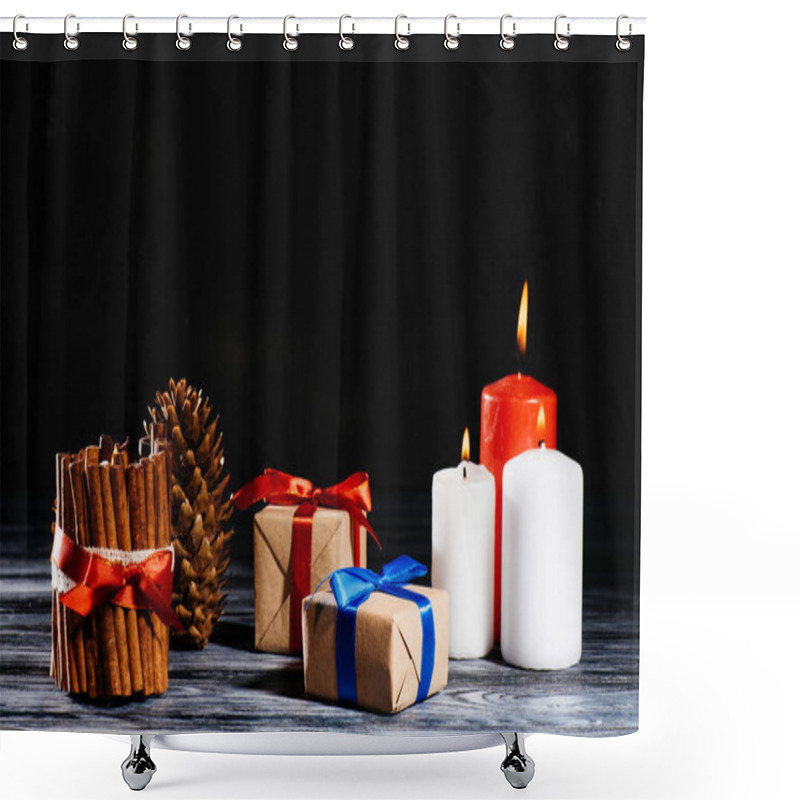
x=229, y=687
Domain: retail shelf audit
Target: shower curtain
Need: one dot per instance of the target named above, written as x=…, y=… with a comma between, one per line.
x=331, y=244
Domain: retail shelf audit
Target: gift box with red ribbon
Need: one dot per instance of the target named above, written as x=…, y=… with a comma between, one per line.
x=299, y=538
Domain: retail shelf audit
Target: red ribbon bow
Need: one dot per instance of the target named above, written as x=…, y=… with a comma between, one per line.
x=279, y=488
x=145, y=585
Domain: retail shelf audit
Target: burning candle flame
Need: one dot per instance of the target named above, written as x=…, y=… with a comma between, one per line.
x=522, y=323
x=465, y=445
x=540, y=424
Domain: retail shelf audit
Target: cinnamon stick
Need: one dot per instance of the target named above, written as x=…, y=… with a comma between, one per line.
x=54, y=630
x=72, y=530
x=120, y=631
x=134, y=476
x=74, y=652
x=150, y=494
x=123, y=453
x=77, y=470
x=108, y=641
x=162, y=540
x=155, y=622
x=106, y=449
x=120, y=495
x=61, y=615
x=92, y=456
x=54, y=653
x=164, y=531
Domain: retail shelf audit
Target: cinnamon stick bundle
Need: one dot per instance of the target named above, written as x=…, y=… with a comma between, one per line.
x=105, y=501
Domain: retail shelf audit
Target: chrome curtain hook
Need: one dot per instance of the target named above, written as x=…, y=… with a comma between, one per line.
x=182, y=42
x=71, y=42
x=289, y=42
x=346, y=42
x=561, y=42
x=401, y=42
x=20, y=42
x=234, y=44
x=129, y=42
x=623, y=44
x=452, y=42
x=507, y=42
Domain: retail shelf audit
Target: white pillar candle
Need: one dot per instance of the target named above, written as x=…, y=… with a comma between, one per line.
x=463, y=553
x=542, y=591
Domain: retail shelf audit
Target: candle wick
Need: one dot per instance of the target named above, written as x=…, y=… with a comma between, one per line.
x=464, y=471
x=542, y=445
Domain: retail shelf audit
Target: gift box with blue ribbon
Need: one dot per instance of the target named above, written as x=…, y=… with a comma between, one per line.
x=373, y=641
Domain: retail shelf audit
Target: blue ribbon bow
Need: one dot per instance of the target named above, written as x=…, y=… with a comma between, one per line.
x=351, y=587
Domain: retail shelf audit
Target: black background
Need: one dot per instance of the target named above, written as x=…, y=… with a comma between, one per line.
x=333, y=246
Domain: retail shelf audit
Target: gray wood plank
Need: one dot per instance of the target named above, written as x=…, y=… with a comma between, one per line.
x=229, y=687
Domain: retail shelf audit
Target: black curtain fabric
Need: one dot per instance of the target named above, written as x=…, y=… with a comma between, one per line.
x=333, y=246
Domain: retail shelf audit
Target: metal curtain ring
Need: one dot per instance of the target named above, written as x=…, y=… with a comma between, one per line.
x=289, y=42
x=20, y=42
x=128, y=42
x=346, y=42
x=234, y=44
x=182, y=42
x=507, y=42
x=623, y=43
x=561, y=42
x=452, y=42
x=401, y=42
x=70, y=42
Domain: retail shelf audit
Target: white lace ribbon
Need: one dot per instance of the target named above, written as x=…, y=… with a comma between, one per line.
x=63, y=583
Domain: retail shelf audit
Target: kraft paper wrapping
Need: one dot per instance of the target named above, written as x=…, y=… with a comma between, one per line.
x=388, y=648
x=331, y=549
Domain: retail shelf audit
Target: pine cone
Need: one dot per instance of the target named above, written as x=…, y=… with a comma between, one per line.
x=200, y=513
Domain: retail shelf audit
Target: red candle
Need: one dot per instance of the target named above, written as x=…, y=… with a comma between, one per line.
x=517, y=413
